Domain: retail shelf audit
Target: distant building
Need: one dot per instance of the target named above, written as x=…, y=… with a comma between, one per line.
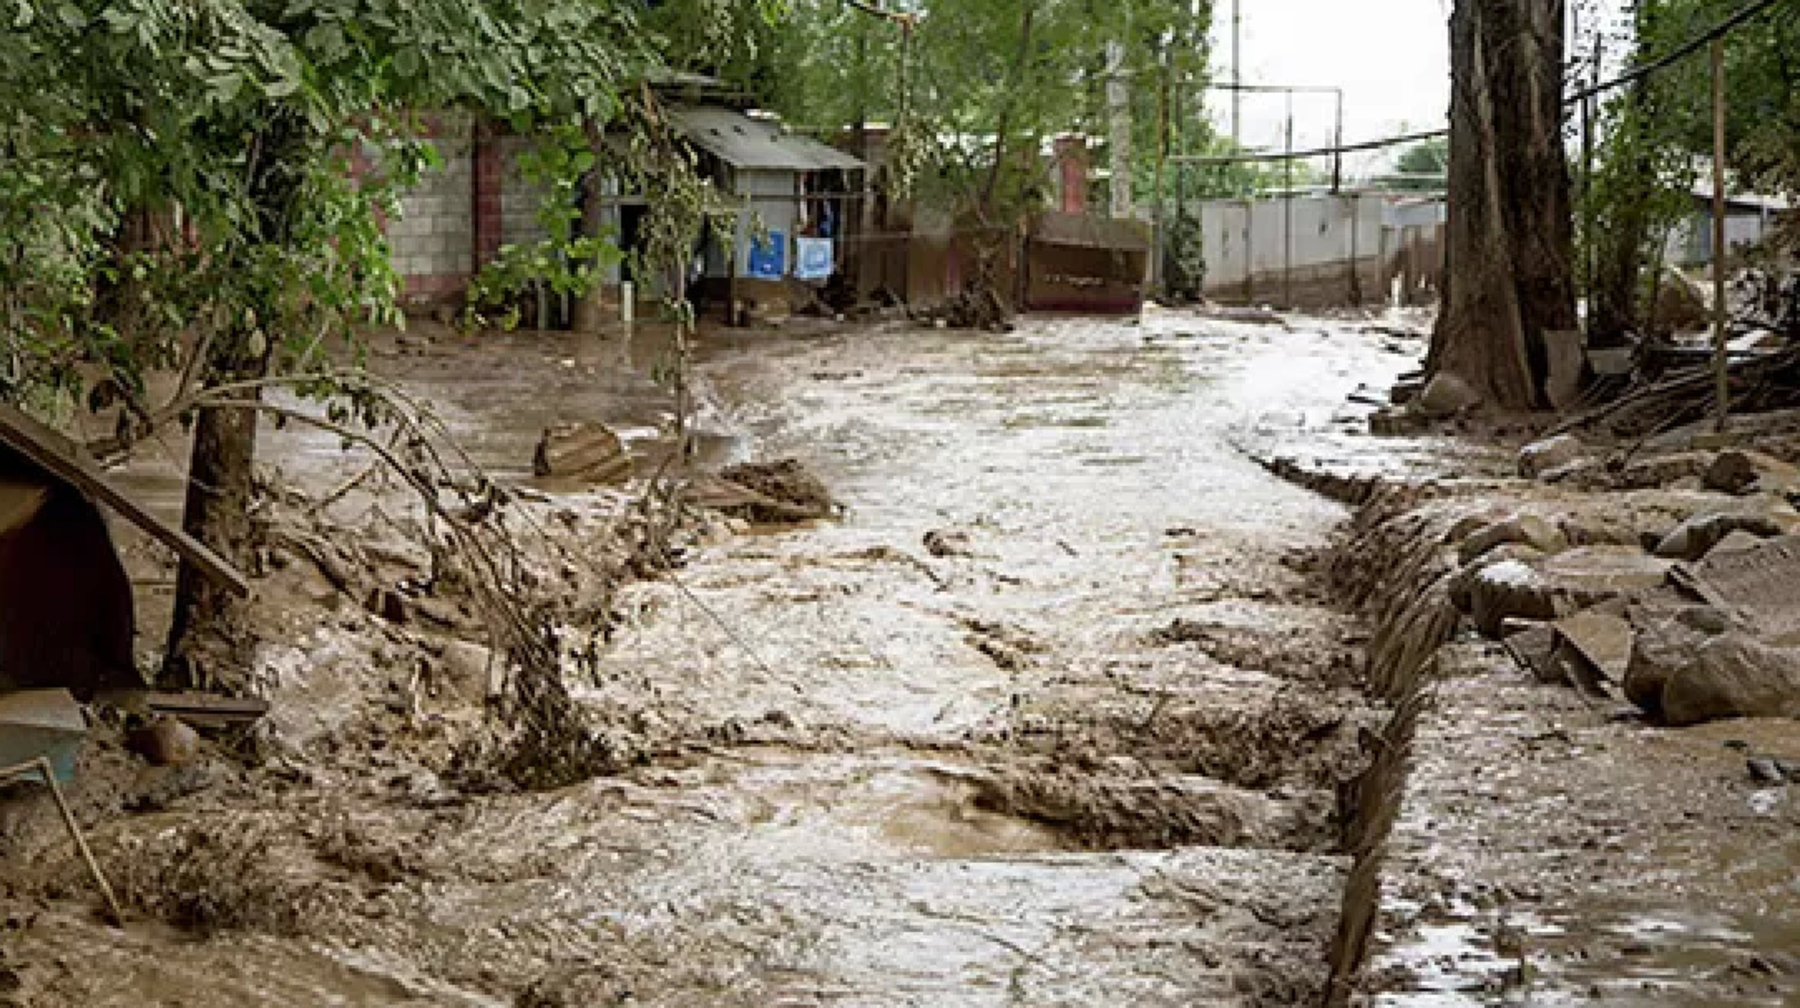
x=1749, y=217
x=795, y=197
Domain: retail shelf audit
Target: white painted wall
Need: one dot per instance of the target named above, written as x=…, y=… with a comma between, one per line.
x=1252, y=236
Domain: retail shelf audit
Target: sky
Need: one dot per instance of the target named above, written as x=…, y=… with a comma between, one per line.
x=1391, y=57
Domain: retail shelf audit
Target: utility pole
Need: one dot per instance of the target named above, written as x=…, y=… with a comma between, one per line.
x=1237, y=78
x=1118, y=105
x=1721, y=365
x=1287, y=210
x=1337, y=140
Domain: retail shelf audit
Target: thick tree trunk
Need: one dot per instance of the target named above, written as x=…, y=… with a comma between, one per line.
x=1510, y=229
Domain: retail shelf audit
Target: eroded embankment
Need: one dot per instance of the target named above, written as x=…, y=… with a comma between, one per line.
x=1517, y=836
x=1390, y=565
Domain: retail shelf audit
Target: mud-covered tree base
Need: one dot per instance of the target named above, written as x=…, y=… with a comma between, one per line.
x=1510, y=252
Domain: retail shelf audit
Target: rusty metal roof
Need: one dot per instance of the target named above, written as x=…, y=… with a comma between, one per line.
x=1052, y=227
x=64, y=461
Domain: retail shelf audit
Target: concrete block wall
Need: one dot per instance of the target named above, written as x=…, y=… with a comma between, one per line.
x=431, y=239
x=457, y=217
x=520, y=198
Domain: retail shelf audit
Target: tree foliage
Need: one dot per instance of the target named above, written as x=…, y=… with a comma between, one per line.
x=1656, y=139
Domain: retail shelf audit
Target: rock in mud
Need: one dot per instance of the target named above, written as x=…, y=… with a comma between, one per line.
x=471, y=670
x=1734, y=675
x=1664, y=642
x=1540, y=457
x=166, y=741
x=1527, y=529
x=1445, y=395
x=1746, y=472
x=1533, y=647
x=1510, y=588
x=1599, y=530
x=1562, y=583
x=784, y=490
x=1768, y=770
x=1590, y=575
x=1462, y=585
x=1662, y=471
x=581, y=451
x=1694, y=538
x=949, y=543
x=1603, y=640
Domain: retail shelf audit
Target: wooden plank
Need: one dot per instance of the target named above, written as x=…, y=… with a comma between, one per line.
x=62, y=459
x=20, y=502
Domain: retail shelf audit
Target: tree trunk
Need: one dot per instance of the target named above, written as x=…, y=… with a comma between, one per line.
x=212, y=637
x=1510, y=237
x=211, y=641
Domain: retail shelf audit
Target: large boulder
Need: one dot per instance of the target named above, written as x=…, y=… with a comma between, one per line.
x=1734, y=675
x=1692, y=539
x=1540, y=457
x=1462, y=586
x=1561, y=584
x=1510, y=589
x=1665, y=641
x=1604, y=642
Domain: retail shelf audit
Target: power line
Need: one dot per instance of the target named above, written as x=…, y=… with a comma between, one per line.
x=1658, y=65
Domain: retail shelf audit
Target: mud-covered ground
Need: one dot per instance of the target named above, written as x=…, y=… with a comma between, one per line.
x=1056, y=713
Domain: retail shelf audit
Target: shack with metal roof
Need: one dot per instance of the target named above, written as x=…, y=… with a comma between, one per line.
x=796, y=197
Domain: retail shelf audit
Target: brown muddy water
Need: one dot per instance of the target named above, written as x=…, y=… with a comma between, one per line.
x=1087, y=754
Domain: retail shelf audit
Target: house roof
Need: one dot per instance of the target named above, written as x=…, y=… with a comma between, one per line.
x=1774, y=203
x=745, y=142
x=57, y=456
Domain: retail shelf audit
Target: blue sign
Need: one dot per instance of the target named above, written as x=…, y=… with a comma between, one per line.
x=768, y=257
x=812, y=258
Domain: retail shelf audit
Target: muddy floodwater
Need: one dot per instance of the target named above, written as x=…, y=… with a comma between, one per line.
x=1054, y=714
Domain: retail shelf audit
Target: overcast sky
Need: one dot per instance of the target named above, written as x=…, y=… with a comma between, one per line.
x=1391, y=57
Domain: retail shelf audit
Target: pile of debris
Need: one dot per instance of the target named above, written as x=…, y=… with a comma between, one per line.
x=768, y=493
x=1679, y=592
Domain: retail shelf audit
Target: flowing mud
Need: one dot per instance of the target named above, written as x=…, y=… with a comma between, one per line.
x=1057, y=712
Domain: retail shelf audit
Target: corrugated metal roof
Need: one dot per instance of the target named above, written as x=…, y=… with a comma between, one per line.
x=743, y=142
